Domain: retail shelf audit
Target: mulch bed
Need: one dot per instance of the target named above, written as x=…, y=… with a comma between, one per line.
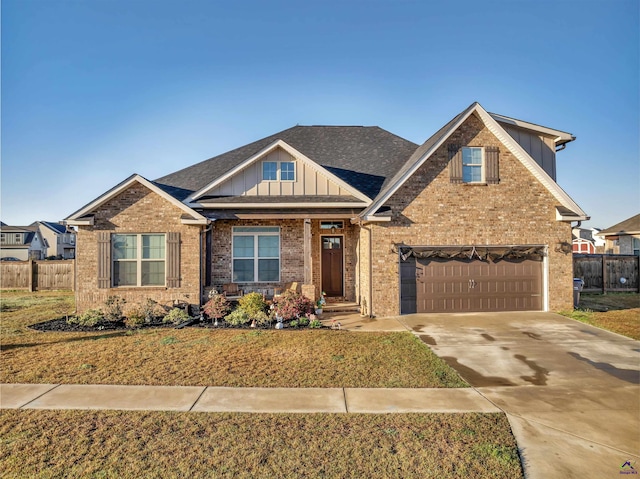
x=61, y=325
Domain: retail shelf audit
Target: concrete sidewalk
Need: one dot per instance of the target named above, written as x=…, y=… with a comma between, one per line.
x=252, y=400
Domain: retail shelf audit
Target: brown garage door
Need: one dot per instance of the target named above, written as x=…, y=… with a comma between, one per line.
x=461, y=285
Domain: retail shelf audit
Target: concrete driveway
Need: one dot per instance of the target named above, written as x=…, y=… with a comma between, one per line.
x=571, y=391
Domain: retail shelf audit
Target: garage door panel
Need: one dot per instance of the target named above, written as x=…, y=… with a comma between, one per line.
x=453, y=285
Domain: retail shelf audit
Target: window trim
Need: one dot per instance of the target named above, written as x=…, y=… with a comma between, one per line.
x=482, y=165
x=254, y=231
x=138, y=261
x=278, y=177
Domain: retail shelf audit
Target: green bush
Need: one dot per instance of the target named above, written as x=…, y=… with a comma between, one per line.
x=176, y=316
x=90, y=317
x=315, y=324
x=294, y=323
x=254, y=305
x=237, y=317
x=304, y=321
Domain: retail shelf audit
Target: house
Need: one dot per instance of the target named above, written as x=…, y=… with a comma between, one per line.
x=470, y=220
x=22, y=242
x=623, y=238
x=61, y=240
x=587, y=241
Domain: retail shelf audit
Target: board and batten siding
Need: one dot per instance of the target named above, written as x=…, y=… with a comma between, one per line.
x=308, y=182
x=541, y=148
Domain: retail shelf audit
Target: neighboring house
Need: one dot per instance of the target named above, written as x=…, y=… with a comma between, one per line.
x=586, y=241
x=22, y=242
x=60, y=238
x=623, y=238
x=471, y=220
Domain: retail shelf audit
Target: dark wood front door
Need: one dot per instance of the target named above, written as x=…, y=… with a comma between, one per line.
x=332, y=265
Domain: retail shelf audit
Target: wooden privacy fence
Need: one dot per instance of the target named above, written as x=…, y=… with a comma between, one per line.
x=603, y=273
x=37, y=275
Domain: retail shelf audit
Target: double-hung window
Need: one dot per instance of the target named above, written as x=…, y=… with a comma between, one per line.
x=138, y=259
x=472, y=165
x=256, y=254
x=278, y=171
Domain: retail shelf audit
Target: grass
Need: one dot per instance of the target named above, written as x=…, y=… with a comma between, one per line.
x=617, y=312
x=196, y=356
x=116, y=444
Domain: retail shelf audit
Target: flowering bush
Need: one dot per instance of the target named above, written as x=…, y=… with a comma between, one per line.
x=292, y=305
x=217, y=307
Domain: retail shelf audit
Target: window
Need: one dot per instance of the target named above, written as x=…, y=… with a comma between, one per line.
x=330, y=225
x=472, y=165
x=138, y=260
x=287, y=171
x=274, y=171
x=256, y=254
x=269, y=171
x=636, y=246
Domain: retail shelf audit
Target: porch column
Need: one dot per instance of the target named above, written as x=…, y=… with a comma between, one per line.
x=307, y=252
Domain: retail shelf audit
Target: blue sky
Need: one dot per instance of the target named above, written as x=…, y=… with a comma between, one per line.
x=93, y=91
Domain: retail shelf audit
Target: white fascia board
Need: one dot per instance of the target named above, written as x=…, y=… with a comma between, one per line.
x=560, y=135
x=194, y=221
x=282, y=205
x=264, y=152
x=371, y=210
x=376, y=219
x=116, y=190
x=80, y=221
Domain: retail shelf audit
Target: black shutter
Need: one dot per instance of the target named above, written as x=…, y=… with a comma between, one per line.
x=455, y=164
x=173, y=260
x=491, y=157
x=104, y=259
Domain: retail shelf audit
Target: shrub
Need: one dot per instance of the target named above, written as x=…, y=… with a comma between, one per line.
x=152, y=310
x=237, y=317
x=176, y=316
x=254, y=305
x=262, y=318
x=90, y=317
x=112, y=308
x=315, y=324
x=292, y=305
x=294, y=323
x=134, y=316
x=304, y=321
x=217, y=307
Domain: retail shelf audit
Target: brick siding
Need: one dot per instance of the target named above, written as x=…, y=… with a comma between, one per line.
x=137, y=210
x=430, y=210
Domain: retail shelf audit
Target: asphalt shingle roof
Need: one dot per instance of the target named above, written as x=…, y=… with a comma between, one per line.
x=364, y=157
x=628, y=226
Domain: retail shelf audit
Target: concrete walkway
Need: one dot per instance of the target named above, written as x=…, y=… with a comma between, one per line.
x=252, y=400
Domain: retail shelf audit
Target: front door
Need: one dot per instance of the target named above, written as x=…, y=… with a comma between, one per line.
x=332, y=265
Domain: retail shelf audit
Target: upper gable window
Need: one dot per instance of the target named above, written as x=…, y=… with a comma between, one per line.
x=269, y=171
x=287, y=171
x=472, y=165
x=282, y=171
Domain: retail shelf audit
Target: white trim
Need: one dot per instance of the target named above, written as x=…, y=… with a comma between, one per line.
x=280, y=205
x=76, y=218
x=80, y=221
x=511, y=144
x=482, y=166
x=374, y=218
x=264, y=152
x=560, y=135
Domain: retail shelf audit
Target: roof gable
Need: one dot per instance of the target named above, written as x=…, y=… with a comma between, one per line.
x=628, y=226
x=251, y=182
x=83, y=215
x=568, y=210
x=364, y=158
